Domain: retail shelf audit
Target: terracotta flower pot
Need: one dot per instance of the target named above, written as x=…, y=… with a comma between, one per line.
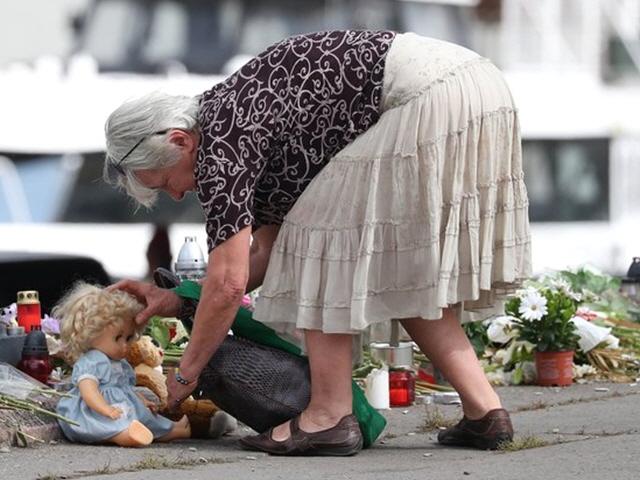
x=554, y=368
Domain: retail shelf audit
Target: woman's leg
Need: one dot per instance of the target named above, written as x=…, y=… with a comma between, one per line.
x=331, y=398
x=448, y=347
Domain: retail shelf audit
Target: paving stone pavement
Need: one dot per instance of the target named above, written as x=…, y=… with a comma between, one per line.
x=589, y=434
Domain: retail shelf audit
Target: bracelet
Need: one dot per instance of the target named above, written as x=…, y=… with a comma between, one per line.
x=181, y=379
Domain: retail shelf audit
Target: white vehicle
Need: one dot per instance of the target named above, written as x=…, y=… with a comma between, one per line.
x=581, y=143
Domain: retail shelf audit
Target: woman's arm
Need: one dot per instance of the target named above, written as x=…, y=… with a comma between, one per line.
x=260, y=252
x=222, y=292
x=94, y=399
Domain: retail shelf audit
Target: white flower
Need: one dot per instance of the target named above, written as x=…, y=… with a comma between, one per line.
x=581, y=371
x=533, y=306
x=53, y=344
x=500, y=329
x=496, y=378
x=560, y=284
x=612, y=341
x=563, y=286
x=525, y=292
x=501, y=355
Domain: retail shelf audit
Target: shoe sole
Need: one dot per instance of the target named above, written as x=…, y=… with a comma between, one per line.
x=480, y=443
x=314, y=452
x=334, y=452
x=491, y=443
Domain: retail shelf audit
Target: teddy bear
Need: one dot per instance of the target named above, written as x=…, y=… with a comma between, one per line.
x=146, y=359
x=207, y=420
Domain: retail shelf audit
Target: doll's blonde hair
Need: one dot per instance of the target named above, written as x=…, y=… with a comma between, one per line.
x=86, y=310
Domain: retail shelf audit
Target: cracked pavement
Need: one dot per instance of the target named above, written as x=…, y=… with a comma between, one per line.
x=590, y=434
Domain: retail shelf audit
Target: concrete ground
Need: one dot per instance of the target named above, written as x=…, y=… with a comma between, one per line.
x=589, y=431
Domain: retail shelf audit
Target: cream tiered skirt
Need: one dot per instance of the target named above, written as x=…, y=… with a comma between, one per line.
x=425, y=210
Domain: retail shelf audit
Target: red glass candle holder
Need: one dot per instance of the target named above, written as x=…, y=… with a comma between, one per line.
x=402, y=388
x=35, y=360
x=29, y=315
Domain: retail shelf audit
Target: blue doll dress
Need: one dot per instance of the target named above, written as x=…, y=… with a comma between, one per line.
x=116, y=380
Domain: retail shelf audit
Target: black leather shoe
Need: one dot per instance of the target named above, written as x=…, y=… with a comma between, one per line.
x=487, y=433
x=345, y=439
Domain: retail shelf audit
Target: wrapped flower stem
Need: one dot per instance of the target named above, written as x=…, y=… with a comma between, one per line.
x=30, y=406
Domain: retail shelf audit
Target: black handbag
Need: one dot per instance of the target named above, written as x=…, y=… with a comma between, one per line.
x=259, y=385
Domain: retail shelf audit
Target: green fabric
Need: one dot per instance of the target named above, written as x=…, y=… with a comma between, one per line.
x=371, y=421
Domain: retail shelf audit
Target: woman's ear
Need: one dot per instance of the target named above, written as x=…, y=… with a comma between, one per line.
x=183, y=139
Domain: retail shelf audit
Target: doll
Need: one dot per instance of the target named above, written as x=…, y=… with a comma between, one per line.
x=97, y=328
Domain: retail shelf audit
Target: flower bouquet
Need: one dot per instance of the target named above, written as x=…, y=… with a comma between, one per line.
x=538, y=322
x=543, y=317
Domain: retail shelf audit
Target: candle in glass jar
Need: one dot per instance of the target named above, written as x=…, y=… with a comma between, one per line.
x=402, y=388
x=29, y=314
x=35, y=360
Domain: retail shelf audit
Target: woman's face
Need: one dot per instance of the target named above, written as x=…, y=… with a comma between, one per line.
x=177, y=179
x=115, y=339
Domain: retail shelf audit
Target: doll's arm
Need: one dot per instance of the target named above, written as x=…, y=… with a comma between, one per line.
x=147, y=403
x=94, y=399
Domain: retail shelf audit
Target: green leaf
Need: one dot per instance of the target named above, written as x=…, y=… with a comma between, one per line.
x=159, y=331
x=477, y=334
x=518, y=375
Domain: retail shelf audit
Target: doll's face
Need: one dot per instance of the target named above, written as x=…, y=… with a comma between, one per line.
x=114, y=340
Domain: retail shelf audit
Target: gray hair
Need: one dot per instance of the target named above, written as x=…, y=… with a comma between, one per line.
x=143, y=120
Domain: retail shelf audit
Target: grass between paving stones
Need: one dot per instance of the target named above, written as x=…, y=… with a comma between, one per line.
x=148, y=462
x=436, y=420
x=537, y=405
x=522, y=443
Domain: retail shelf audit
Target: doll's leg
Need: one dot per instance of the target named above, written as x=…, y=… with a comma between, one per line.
x=181, y=429
x=137, y=435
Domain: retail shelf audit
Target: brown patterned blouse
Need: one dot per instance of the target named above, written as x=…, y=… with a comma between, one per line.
x=269, y=128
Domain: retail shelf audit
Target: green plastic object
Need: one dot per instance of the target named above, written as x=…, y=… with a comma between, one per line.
x=371, y=422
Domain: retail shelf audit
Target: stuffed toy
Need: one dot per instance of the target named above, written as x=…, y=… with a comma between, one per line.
x=146, y=359
x=207, y=420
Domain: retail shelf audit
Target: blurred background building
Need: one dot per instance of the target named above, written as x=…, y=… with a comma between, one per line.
x=573, y=67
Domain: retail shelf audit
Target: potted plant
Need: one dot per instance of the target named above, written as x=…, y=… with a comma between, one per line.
x=542, y=316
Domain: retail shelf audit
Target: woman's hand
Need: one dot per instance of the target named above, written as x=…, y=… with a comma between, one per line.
x=157, y=301
x=178, y=392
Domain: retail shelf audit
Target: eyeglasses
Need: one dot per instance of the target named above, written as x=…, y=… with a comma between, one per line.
x=117, y=166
